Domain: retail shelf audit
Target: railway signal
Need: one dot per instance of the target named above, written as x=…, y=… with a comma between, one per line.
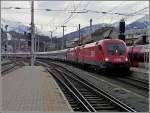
x=144, y=39
x=122, y=26
x=5, y=47
x=6, y=26
x=122, y=30
x=29, y=39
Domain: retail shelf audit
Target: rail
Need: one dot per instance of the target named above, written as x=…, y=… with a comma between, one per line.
x=105, y=95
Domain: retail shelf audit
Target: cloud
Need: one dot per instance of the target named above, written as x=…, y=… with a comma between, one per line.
x=23, y=4
x=51, y=19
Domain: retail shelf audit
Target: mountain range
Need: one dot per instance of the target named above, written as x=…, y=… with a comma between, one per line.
x=141, y=23
x=17, y=26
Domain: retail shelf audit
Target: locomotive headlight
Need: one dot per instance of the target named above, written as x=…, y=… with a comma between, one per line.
x=126, y=59
x=106, y=59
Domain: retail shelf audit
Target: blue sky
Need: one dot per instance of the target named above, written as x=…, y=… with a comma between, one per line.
x=47, y=21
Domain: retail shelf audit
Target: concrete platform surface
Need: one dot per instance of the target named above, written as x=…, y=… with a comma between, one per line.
x=32, y=89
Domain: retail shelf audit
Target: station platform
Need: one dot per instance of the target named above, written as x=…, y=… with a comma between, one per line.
x=32, y=88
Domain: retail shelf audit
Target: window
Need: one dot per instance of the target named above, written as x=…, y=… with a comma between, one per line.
x=116, y=48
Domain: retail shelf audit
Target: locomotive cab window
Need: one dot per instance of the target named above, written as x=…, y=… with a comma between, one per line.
x=116, y=48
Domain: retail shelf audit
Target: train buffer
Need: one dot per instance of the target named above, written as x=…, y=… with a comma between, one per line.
x=32, y=88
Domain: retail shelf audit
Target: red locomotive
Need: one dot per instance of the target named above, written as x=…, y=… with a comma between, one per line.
x=104, y=54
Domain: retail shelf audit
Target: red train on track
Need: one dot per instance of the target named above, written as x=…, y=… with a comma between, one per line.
x=104, y=54
x=139, y=55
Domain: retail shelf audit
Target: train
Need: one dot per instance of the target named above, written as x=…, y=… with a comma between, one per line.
x=103, y=55
x=139, y=55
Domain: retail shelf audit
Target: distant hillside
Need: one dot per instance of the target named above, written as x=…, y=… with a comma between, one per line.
x=138, y=24
x=14, y=26
x=84, y=31
x=20, y=28
x=141, y=23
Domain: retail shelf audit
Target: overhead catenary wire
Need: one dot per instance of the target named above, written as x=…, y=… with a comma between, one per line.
x=135, y=13
x=71, y=15
x=76, y=8
x=86, y=5
x=68, y=19
x=39, y=9
x=65, y=9
x=54, y=30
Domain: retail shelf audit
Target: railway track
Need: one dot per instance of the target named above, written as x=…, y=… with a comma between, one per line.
x=6, y=63
x=141, y=84
x=8, y=67
x=126, y=78
x=87, y=97
x=129, y=82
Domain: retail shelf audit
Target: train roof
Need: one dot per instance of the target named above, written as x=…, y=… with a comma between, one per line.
x=49, y=52
x=70, y=49
x=102, y=41
x=82, y=46
x=113, y=40
x=19, y=53
x=90, y=45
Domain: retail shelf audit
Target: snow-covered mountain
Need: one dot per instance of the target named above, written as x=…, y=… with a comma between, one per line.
x=141, y=23
x=14, y=26
x=19, y=27
x=85, y=31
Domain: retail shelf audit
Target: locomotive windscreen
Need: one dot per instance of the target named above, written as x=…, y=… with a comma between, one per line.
x=116, y=48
